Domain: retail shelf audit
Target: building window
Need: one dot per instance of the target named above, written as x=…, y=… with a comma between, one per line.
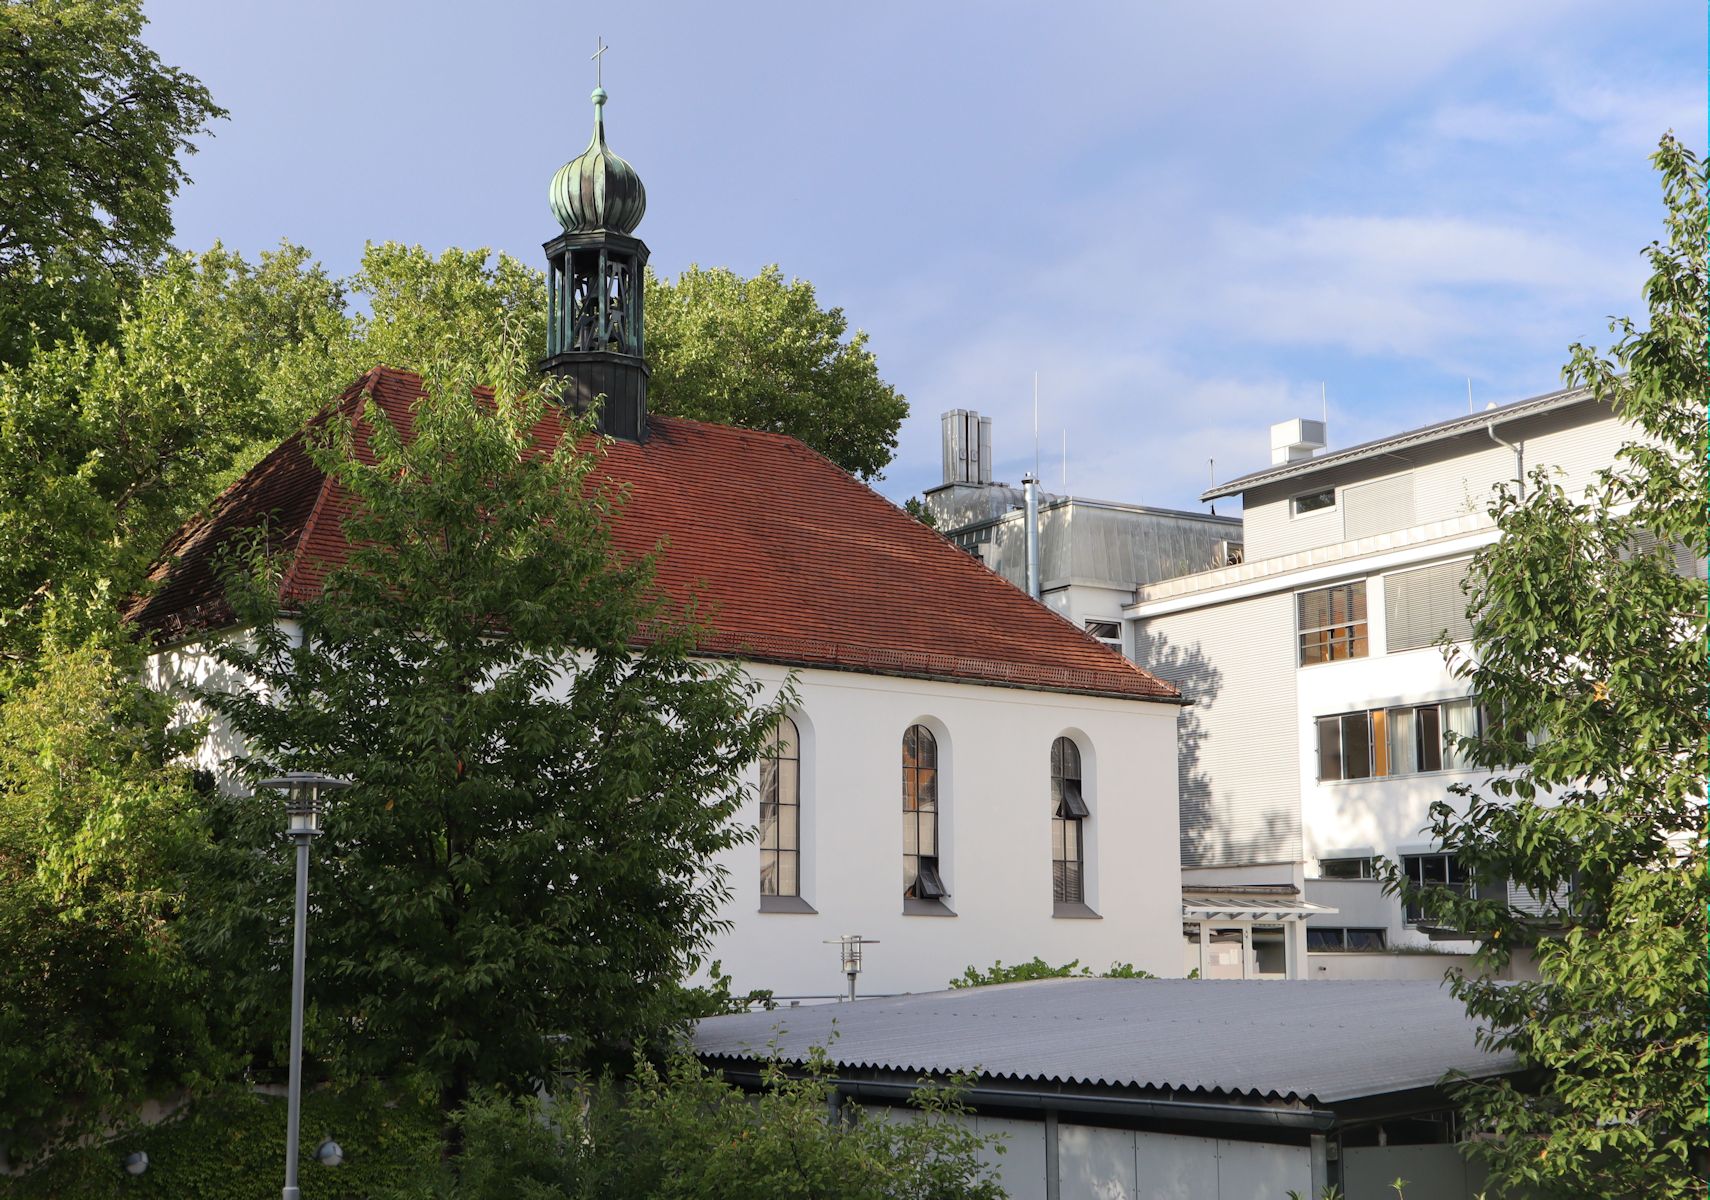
x=1330, y=938
x=1464, y=719
x=1424, y=604
x=1108, y=632
x=921, y=880
x=1406, y=740
x=1444, y=871
x=1314, y=502
x=781, y=812
x=1345, y=746
x=1332, y=623
x=1068, y=812
x=1346, y=868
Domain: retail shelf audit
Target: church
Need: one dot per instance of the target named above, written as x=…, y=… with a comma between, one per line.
x=964, y=776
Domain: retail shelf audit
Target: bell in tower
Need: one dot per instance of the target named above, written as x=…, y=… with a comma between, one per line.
x=595, y=273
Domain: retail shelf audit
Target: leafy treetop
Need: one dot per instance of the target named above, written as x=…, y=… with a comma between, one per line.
x=93, y=127
x=762, y=353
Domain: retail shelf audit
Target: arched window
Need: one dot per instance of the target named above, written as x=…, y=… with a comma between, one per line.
x=781, y=812
x=921, y=880
x=1068, y=811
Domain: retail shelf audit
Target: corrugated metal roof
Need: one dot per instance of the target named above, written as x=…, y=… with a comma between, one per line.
x=1413, y=437
x=1317, y=1041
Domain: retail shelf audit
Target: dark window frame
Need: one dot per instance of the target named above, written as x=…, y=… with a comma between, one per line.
x=781, y=855
x=1069, y=812
x=1454, y=878
x=1428, y=747
x=1339, y=939
x=1307, y=503
x=1112, y=639
x=1364, y=867
x=1341, y=633
x=921, y=878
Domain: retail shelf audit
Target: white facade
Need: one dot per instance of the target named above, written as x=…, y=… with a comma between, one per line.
x=994, y=797
x=994, y=747
x=1260, y=806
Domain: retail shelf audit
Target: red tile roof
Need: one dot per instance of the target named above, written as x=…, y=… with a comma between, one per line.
x=801, y=563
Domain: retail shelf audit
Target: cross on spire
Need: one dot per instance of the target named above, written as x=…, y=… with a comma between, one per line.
x=600, y=42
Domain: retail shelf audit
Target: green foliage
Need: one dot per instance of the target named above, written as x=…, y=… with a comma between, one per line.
x=412, y=310
x=681, y=1132
x=105, y=448
x=762, y=353
x=1582, y=633
x=232, y=1147
x=1038, y=968
x=95, y=830
x=92, y=129
x=543, y=773
x=915, y=508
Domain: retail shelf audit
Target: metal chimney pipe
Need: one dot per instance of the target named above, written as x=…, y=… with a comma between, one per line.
x=1030, y=498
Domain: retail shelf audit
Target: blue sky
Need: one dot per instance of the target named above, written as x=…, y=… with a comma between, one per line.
x=1188, y=218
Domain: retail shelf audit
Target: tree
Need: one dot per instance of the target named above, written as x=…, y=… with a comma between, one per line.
x=1588, y=655
x=95, y=832
x=543, y=772
x=1038, y=968
x=681, y=1131
x=93, y=127
x=106, y=447
x=915, y=507
x=762, y=353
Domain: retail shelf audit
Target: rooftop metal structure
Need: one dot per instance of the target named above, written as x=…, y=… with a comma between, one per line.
x=1296, y=1041
x=1441, y=431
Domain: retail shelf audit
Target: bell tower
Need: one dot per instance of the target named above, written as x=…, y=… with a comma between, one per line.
x=595, y=273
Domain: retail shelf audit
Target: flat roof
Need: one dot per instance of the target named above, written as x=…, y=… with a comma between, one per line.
x=1298, y=1040
x=1441, y=431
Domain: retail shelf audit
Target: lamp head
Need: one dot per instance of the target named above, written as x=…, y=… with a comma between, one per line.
x=303, y=791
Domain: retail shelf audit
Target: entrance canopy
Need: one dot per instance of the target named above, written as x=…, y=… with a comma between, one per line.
x=1246, y=907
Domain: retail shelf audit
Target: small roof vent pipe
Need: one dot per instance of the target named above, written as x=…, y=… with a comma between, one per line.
x=1030, y=498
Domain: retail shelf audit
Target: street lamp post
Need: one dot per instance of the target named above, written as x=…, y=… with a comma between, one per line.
x=303, y=821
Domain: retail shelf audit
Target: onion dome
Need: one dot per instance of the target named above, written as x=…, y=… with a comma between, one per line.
x=597, y=190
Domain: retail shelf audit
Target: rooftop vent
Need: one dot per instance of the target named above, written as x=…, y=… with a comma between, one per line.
x=967, y=447
x=1294, y=440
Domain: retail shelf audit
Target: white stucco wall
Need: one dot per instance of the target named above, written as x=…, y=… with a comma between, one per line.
x=994, y=749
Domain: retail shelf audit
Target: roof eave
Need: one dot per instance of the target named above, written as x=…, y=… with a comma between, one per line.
x=1442, y=431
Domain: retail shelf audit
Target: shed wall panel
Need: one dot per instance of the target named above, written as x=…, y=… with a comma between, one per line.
x=1171, y=1167
x=1261, y=1171
x=1095, y=1163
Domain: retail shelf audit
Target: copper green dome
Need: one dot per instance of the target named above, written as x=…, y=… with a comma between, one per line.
x=597, y=189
